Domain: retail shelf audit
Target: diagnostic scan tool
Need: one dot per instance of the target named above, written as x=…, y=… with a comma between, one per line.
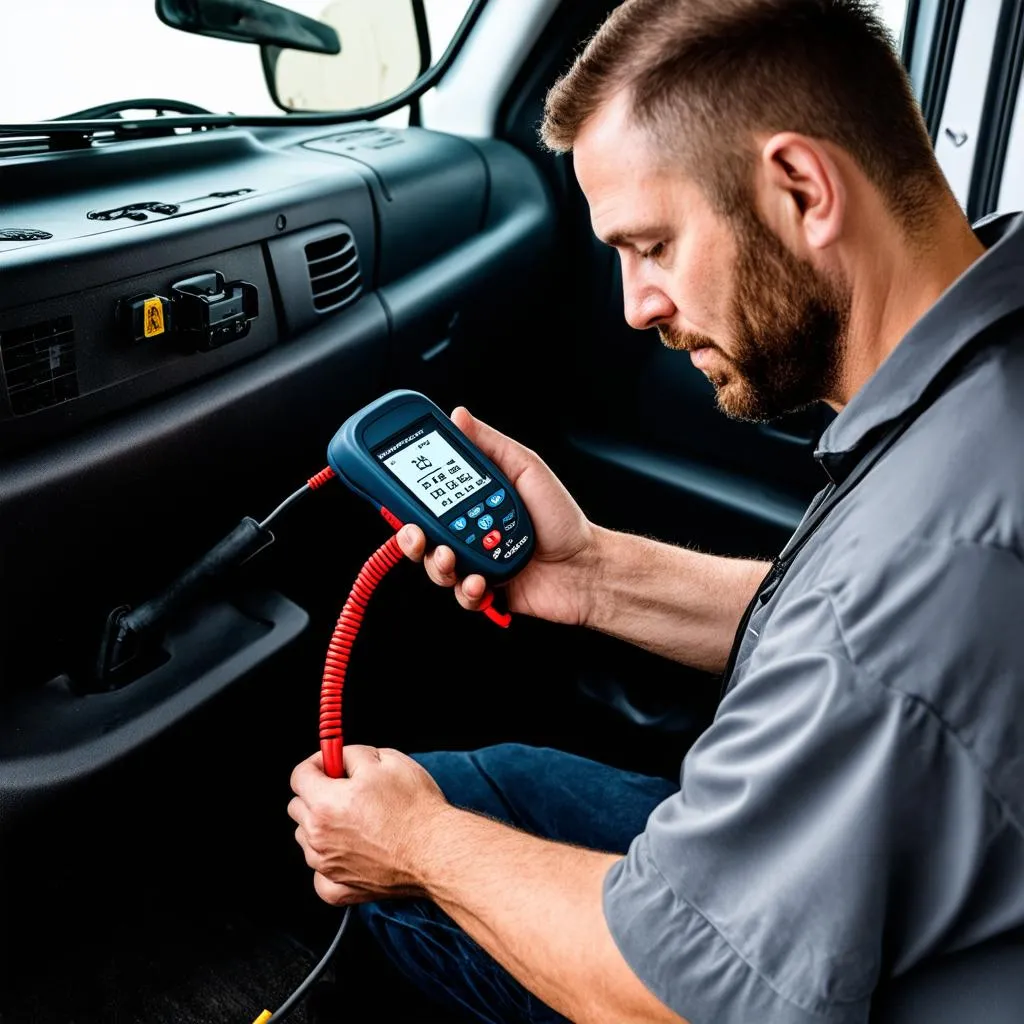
x=402, y=453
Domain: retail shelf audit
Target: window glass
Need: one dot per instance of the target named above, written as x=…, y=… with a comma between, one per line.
x=113, y=50
x=957, y=140
x=1011, y=192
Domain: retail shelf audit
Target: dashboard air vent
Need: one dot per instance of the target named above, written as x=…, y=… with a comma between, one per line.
x=333, y=271
x=39, y=364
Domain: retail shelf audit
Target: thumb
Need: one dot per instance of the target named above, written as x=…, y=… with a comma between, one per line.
x=512, y=457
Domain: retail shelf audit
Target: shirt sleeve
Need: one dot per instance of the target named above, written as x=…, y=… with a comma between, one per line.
x=762, y=890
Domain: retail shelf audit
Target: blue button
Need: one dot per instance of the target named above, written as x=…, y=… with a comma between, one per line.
x=496, y=498
x=470, y=538
x=458, y=524
x=475, y=511
x=508, y=516
x=485, y=522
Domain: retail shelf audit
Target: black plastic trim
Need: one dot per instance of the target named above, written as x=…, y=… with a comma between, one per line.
x=940, y=64
x=909, y=31
x=286, y=379
x=997, y=117
x=515, y=240
x=419, y=12
x=54, y=736
x=716, y=486
x=269, y=420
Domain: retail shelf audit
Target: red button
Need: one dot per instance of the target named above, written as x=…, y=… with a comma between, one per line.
x=492, y=539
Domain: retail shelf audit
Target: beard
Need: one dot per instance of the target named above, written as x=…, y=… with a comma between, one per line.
x=788, y=323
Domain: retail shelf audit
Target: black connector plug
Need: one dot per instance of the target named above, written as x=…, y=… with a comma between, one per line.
x=129, y=632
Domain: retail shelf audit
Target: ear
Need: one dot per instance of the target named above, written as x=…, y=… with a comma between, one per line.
x=801, y=191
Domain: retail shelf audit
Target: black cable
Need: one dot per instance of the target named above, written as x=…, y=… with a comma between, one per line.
x=284, y=504
x=300, y=993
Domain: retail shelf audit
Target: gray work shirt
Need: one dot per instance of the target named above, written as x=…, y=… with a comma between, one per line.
x=857, y=805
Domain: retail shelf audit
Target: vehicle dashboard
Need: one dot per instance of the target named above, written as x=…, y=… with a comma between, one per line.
x=297, y=271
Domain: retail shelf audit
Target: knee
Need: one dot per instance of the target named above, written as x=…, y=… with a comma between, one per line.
x=476, y=779
x=447, y=768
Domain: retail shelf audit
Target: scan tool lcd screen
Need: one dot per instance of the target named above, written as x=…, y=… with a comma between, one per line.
x=434, y=471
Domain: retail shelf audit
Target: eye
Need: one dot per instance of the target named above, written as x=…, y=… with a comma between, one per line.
x=654, y=252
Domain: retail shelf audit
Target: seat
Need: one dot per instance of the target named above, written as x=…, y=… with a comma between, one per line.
x=983, y=985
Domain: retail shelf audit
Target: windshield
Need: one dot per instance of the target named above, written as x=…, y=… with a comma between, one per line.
x=59, y=56
x=62, y=56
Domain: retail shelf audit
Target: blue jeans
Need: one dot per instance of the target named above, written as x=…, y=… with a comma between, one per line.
x=546, y=792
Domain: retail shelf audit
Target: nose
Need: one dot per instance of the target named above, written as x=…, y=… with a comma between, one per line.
x=644, y=303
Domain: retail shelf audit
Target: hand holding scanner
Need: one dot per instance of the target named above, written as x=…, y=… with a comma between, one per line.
x=402, y=453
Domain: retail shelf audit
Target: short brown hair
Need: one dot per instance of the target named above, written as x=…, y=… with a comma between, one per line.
x=705, y=75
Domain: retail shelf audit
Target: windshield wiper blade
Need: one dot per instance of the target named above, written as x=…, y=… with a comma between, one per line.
x=118, y=107
x=64, y=134
x=141, y=127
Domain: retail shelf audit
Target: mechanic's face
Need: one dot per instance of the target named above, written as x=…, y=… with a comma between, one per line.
x=764, y=326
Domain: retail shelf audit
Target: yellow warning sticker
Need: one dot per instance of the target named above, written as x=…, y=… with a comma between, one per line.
x=153, y=318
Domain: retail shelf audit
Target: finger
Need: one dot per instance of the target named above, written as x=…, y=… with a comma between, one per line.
x=336, y=893
x=510, y=455
x=441, y=566
x=359, y=757
x=298, y=811
x=295, y=780
x=412, y=541
x=310, y=783
x=312, y=856
x=300, y=775
x=470, y=592
x=308, y=849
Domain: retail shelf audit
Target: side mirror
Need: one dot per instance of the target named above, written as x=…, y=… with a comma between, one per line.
x=249, y=21
x=387, y=47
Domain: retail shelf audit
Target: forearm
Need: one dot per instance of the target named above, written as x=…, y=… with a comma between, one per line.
x=681, y=604
x=536, y=907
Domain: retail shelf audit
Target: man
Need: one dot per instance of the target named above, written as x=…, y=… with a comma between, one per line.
x=857, y=804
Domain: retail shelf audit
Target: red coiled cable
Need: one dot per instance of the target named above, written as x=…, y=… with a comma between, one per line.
x=374, y=569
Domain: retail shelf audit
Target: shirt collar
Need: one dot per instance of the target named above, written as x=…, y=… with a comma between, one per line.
x=987, y=291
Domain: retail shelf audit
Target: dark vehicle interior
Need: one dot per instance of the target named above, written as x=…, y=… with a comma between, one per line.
x=306, y=265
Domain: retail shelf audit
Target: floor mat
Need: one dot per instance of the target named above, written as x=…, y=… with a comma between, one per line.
x=217, y=972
